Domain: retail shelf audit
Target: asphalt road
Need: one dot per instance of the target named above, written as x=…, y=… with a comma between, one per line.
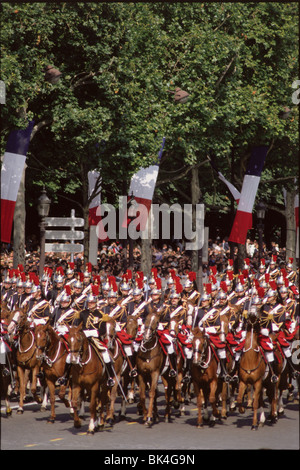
x=180, y=439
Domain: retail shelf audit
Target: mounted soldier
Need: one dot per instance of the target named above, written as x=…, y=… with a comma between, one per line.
x=214, y=321
x=92, y=318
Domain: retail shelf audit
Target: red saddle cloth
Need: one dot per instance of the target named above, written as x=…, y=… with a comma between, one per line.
x=65, y=341
x=216, y=342
x=281, y=339
x=232, y=339
x=124, y=337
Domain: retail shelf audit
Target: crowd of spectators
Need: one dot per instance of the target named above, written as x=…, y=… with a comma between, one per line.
x=111, y=257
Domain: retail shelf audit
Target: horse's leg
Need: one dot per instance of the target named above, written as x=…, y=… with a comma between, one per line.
x=212, y=398
x=75, y=404
x=35, y=371
x=93, y=407
x=51, y=386
x=142, y=393
x=110, y=414
x=224, y=394
x=240, y=397
x=256, y=402
x=152, y=396
x=22, y=385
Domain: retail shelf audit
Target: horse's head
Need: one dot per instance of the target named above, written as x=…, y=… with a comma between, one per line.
x=200, y=345
x=151, y=324
x=253, y=317
x=42, y=339
x=76, y=342
x=107, y=331
x=131, y=326
x=174, y=326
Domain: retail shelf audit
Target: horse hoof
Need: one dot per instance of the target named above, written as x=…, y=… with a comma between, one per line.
x=176, y=405
x=122, y=417
x=148, y=423
x=200, y=426
x=51, y=421
x=109, y=423
x=254, y=428
x=9, y=412
x=212, y=424
x=90, y=432
x=20, y=411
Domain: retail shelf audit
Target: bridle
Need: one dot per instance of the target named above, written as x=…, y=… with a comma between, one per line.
x=201, y=348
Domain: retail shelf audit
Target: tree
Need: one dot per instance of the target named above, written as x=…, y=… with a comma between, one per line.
x=112, y=106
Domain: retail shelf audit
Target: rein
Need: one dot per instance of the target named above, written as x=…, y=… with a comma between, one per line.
x=249, y=371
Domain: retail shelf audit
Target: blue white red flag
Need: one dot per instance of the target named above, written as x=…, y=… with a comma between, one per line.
x=142, y=188
x=235, y=193
x=243, y=218
x=11, y=174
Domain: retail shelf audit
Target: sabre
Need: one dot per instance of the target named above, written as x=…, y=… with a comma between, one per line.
x=120, y=386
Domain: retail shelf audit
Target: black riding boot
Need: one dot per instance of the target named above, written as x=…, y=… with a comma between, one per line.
x=64, y=379
x=235, y=373
x=224, y=374
x=132, y=365
x=187, y=371
x=274, y=377
x=173, y=364
x=110, y=373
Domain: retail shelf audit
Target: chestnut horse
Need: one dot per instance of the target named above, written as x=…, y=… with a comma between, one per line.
x=151, y=363
x=108, y=336
x=52, y=354
x=88, y=374
x=27, y=361
x=6, y=368
x=131, y=329
x=254, y=371
x=207, y=385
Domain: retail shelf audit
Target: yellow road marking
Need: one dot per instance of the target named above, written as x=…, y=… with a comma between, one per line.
x=57, y=439
x=31, y=445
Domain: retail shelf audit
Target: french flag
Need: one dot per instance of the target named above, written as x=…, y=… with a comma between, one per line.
x=235, y=193
x=11, y=174
x=243, y=218
x=142, y=187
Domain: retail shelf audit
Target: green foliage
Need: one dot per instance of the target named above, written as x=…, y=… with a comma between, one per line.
x=120, y=63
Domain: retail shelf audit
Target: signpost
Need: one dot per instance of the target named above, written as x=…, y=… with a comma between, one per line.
x=64, y=235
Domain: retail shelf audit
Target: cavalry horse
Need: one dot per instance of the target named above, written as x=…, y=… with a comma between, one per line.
x=6, y=379
x=131, y=330
x=204, y=372
x=151, y=363
x=27, y=362
x=88, y=374
x=107, y=334
x=254, y=371
x=52, y=354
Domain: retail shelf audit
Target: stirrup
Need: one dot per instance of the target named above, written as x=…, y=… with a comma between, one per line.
x=172, y=373
x=62, y=381
x=133, y=373
x=186, y=379
x=5, y=372
x=274, y=379
x=234, y=378
x=295, y=374
x=110, y=382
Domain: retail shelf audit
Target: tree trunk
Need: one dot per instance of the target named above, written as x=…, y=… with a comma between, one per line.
x=196, y=254
x=290, y=224
x=19, y=225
